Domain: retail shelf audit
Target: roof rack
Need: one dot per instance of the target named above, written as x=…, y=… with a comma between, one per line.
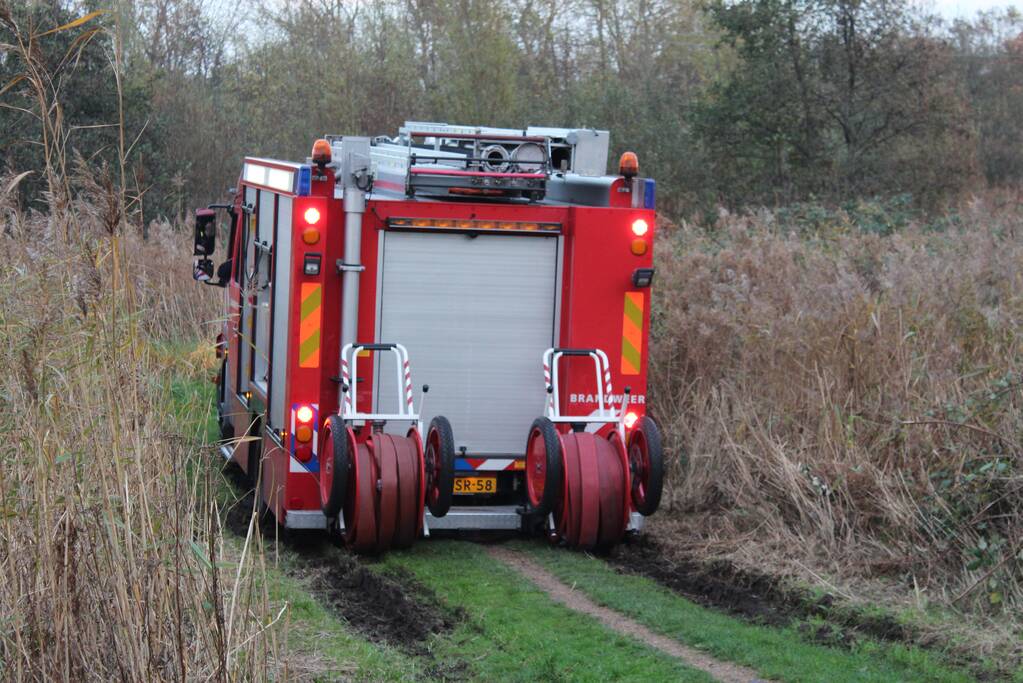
x=477, y=163
x=439, y=159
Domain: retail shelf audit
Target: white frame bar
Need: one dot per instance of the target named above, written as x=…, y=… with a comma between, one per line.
x=403, y=375
x=605, y=412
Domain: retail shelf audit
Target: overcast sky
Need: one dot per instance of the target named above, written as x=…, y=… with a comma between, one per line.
x=955, y=9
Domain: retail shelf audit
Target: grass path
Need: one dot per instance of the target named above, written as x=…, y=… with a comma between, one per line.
x=514, y=632
x=779, y=654
x=566, y=595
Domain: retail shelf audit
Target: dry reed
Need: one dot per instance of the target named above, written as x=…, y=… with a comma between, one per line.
x=112, y=560
x=849, y=401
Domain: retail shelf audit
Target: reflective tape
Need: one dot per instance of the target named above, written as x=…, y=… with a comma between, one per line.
x=490, y=464
x=311, y=296
x=632, y=333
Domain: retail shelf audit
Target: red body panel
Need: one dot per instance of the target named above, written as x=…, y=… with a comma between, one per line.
x=598, y=273
x=596, y=281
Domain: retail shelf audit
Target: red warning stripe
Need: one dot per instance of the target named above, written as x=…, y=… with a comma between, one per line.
x=490, y=464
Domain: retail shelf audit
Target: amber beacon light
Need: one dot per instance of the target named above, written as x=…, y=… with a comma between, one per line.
x=321, y=153
x=628, y=165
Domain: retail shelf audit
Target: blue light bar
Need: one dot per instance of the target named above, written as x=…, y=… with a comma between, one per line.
x=649, y=194
x=303, y=180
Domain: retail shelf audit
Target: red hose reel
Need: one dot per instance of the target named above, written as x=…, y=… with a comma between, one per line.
x=378, y=484
x=587, y=482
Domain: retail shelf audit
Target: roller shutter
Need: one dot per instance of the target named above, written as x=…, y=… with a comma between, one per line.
x=476, y=314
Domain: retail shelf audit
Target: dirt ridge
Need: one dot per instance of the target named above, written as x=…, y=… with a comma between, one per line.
x=761, y=598
x=754, y=596
x=558, y=591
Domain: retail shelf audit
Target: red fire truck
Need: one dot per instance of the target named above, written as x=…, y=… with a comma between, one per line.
x=505, y=271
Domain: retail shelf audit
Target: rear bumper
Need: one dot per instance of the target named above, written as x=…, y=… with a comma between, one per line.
x=477, y=518
x=469, y=518
x=464, y=518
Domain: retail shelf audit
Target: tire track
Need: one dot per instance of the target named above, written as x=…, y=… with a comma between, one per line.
x=558, y=591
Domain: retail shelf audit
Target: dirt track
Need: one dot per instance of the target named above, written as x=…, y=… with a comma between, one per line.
x=558, y=591
x=385, y=608
x=757, y=597
x=390, y=606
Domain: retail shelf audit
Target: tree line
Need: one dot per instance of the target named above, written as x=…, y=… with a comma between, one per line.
x=730, y=102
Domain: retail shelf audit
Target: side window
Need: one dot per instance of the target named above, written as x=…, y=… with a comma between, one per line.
x=232, y=240
x=246, y=228
x=251, y=255
x=262, y=285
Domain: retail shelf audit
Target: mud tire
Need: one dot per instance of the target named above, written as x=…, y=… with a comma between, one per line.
x=439, y=459
x=335, y=466
x=544, y=467
x=646, y=462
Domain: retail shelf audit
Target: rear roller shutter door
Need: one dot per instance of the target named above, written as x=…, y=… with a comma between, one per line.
x=476, y=314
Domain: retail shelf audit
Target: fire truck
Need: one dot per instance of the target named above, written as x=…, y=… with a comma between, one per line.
x=505, y=270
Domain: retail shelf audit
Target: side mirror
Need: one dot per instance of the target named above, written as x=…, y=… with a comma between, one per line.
x=203, y=271
x=205, y=232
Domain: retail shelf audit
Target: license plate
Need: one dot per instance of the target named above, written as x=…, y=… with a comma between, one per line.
x=469, y=485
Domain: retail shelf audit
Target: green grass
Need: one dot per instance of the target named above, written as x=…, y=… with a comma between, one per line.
x=190, y=402
x=514, y=632
x=190, y=393
x=780, y=654
x=318, y=642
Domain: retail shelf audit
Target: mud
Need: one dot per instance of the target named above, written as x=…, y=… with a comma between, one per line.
x=390, y=608
x=756, y=597
x=763, y=599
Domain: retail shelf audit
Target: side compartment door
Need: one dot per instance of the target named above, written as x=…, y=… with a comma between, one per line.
x=261, y=290
x=268, y=304
x=246, y=273
x=281, y=296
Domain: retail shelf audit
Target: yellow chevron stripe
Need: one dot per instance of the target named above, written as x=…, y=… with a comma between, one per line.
x=311, y=296
x=632, y=333
x=310, y=299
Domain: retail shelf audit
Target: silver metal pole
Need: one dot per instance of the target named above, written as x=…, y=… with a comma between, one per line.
x=355, y=207
x=355, y=169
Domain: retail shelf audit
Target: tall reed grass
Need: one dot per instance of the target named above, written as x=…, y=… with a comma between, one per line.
x=112, y=560
x=846, y=385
